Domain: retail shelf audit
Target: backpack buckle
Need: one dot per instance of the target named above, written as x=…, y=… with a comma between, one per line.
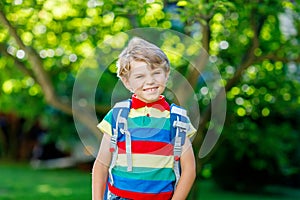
x=180, y=125
x=113, y=143
x=176, y=158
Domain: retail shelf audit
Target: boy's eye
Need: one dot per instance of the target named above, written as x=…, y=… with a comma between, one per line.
x=139, y=76
x=157, y=72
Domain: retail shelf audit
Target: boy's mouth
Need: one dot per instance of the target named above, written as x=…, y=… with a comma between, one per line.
x=151, y=89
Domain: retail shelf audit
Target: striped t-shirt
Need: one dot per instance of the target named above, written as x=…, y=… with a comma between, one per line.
x=152, y=176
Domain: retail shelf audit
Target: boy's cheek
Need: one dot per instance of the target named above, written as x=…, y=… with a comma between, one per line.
x=126, y=83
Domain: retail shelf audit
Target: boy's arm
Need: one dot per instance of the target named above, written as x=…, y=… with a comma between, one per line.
x=188, y=172
x=100, y=169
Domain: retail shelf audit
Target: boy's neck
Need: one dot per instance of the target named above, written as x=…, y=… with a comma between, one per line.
x=134, y=96
x=161, y=103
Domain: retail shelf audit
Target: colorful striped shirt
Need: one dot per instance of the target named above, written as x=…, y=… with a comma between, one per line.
x=152, y=176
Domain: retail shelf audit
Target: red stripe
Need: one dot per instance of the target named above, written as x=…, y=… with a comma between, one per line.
x=143, y=147
x=140, y=196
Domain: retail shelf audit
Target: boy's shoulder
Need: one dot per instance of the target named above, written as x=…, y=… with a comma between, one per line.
x=123, y=104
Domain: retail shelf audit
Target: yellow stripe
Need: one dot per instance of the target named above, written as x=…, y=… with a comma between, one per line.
x=105, y=127
x=144, y=160
x=153, y=112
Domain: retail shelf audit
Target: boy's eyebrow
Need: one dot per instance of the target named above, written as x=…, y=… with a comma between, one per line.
x=157, y=68
x=140, y=66
x=136, y=73
x=143, y=65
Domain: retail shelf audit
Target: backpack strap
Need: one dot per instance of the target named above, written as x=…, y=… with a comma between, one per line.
x=179, y=127
x=119, y=126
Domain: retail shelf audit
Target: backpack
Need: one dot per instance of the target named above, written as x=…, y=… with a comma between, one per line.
x=179, y=126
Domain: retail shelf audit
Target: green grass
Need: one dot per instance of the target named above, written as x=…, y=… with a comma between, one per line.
x=207, y=190
x=23, y=182
x=20, y=181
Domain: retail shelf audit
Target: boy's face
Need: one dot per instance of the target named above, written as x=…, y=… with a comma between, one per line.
x=147, y=83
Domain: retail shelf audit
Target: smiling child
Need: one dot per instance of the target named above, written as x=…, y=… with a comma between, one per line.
x=142, y=165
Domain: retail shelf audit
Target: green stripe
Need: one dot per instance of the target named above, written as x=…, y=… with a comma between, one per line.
x=149, y=122
x=144, y=121
x=143, y=173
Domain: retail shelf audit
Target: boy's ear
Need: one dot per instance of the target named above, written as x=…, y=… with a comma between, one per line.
x=167, y=75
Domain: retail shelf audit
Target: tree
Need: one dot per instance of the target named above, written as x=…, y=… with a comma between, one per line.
x=44, y=43
x=252, y=60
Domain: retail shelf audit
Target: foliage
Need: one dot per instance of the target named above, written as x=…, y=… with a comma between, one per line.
x=260, y=136
x=254, y=44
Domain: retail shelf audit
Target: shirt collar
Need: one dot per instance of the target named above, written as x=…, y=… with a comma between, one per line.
x=161, y=104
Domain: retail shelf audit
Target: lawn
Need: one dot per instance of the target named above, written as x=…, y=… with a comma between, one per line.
x=20, y=181
x=23, y=182
x=207, y=190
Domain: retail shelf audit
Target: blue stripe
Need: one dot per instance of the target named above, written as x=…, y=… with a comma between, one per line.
x=148, y=134
x=143, y=186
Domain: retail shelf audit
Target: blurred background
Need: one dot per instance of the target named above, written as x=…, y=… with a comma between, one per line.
x=253, y=44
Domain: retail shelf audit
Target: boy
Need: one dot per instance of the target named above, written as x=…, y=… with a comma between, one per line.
x=144, y=70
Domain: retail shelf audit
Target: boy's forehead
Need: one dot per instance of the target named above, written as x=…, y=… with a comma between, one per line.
x=143, y=67
x=139, y=65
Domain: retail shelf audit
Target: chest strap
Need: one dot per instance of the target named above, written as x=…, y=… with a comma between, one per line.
x=119, y=125
x=179, y=128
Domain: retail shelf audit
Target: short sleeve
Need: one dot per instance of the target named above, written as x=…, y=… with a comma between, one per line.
x=105, y=125
x=191, y=130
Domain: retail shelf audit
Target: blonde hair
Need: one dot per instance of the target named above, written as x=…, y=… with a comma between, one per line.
x=141, y=50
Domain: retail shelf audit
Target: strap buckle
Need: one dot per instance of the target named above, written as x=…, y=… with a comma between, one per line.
x=183, y=127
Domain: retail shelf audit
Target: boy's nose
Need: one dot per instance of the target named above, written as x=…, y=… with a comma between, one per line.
x=150, y=79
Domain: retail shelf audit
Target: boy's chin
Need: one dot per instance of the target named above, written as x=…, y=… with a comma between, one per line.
x=149, y=98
